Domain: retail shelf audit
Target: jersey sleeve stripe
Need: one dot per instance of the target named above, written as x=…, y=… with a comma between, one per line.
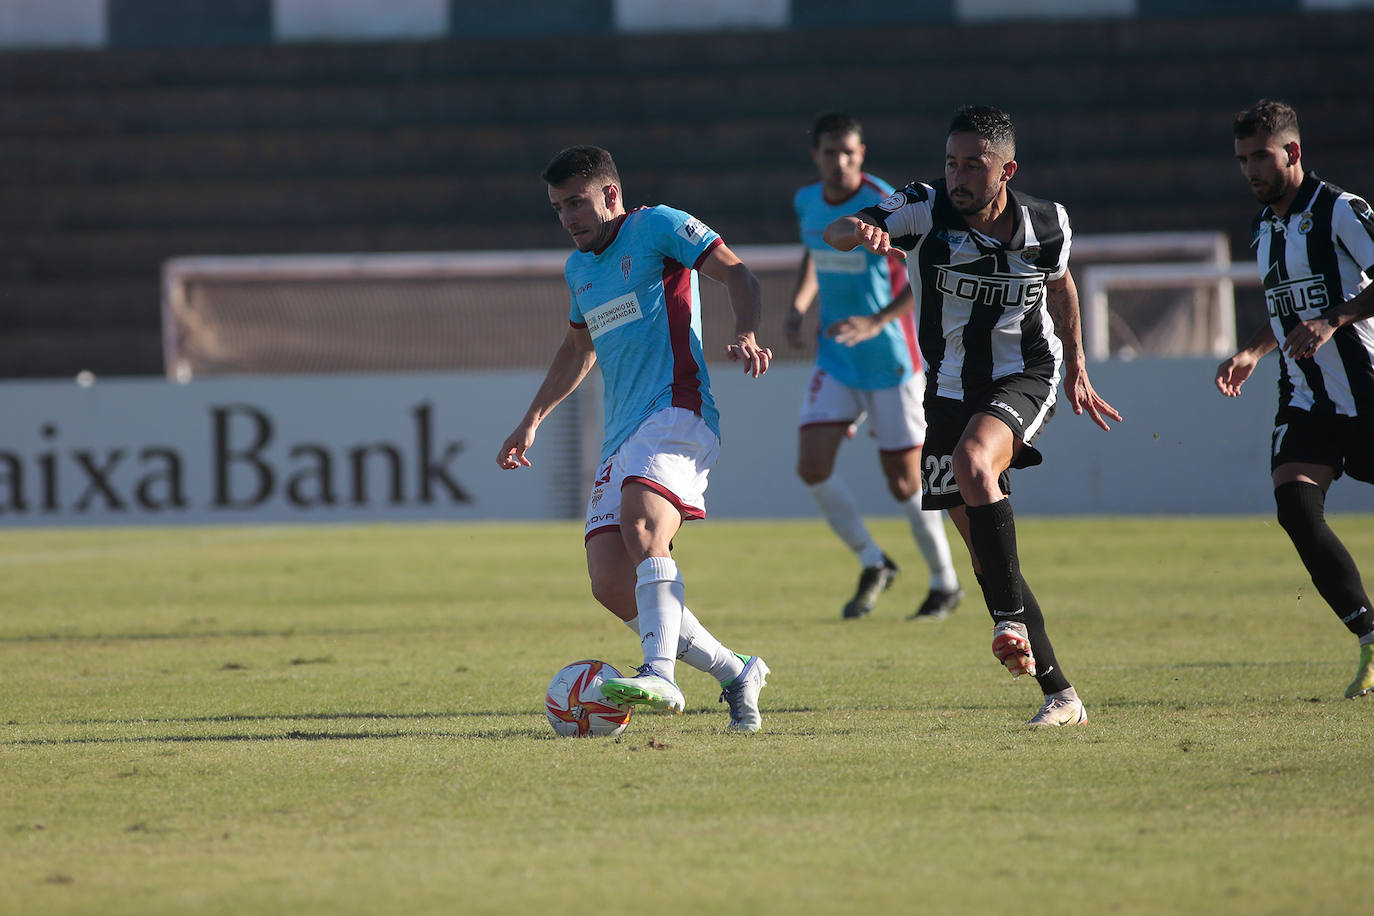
x=701, y=258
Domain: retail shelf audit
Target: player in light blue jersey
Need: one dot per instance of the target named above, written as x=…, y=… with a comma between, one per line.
x=867, y=365
x=635, y=310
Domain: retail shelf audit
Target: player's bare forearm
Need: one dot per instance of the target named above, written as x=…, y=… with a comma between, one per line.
x=1061, y=298
x=903, y=303
x=574, y=359
x=746, y=300
x=807, y=285
x=571, y=363
x=850, y=232
x=1260, y=343
x=1308, y=336
x=746, y=295
x=858, y=328
x=1357, y=308
x=802, y=297
x=1233, y=372
x=843, y=234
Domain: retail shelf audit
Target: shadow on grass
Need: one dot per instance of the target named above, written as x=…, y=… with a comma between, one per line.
x=294, y=735
x=523, y=726
x=300, y=716
x=252, y=633
x=530, y=727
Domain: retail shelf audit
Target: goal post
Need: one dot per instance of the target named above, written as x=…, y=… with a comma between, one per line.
x=1219, y=278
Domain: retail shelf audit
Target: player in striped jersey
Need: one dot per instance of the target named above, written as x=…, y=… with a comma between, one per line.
x=867, y=365
x=1315, y=246
x=999, y=326
x=634, y=308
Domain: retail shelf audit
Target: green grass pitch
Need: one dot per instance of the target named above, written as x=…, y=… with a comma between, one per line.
x=330, y=720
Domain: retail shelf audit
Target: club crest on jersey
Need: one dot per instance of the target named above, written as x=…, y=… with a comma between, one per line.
x=893, y=203
x=1305, y=223
x=694, y=230
x=1031, y=254
x=625, y=264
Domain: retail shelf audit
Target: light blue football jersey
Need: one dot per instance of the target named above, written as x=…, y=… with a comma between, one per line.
x=639, y=299
x=857, y=282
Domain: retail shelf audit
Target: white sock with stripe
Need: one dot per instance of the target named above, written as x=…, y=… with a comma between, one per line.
x=697, y=647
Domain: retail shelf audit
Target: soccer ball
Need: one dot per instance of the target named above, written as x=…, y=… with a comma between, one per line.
x=575, y=706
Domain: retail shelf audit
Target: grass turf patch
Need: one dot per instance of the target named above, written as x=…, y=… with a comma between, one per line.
x=325, y=720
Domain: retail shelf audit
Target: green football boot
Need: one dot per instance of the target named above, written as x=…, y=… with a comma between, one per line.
x=1364, y=675
x=659, y=694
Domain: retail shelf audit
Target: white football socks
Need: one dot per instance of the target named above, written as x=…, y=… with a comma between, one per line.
x=659, y=595
x=842, y=512
x=698, y=648
x=928, y=528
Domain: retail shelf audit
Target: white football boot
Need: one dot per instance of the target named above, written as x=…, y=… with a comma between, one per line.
x=743, y=696
x=1064, y=708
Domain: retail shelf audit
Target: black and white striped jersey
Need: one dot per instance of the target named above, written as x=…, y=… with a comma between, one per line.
x=1319, y=255
x=981, y=304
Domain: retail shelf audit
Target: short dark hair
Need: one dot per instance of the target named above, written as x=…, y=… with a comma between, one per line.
x=835, y=122
x=1266, y=117
x=991, y=124
x=581, y=162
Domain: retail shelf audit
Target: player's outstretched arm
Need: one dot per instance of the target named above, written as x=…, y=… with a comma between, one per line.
x=1233, y=372
x=1062, y=301
x=746, y=300
x=850, y=232
x=574, y=359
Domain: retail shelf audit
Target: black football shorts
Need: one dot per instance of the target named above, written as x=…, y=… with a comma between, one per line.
x=1343, y=443
x=1025, y=403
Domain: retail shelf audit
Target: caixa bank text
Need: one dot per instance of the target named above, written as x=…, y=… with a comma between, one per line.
x=244, y=462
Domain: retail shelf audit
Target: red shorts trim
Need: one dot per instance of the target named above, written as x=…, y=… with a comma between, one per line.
x=688, y=512
x=849, y=422
x=604, y=529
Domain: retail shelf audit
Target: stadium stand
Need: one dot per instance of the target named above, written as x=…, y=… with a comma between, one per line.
x=118, y=159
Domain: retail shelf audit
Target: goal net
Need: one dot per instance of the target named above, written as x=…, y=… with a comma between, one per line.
x=240, y=315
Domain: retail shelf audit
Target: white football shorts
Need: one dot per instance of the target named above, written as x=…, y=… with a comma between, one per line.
x=672, y=452
x=898, y=418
